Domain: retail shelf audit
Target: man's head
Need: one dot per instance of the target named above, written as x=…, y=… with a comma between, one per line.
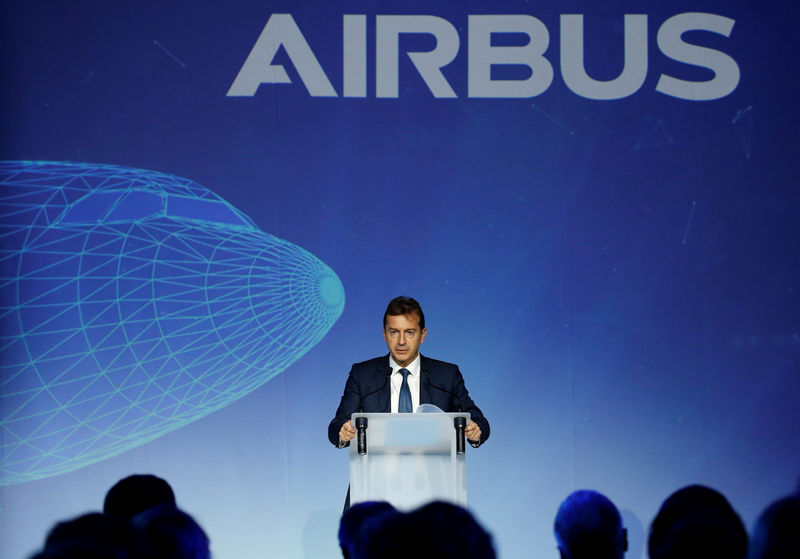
x=166, y=532
x=353, y=521
x=697, y=522
x=776, y=534
x=404, y=329
x=438, y=529
x=588, y=525
x=136, y=493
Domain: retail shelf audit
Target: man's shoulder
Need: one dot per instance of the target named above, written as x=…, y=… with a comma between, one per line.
x=381, y=362
x=428, y=364
x=383, y=359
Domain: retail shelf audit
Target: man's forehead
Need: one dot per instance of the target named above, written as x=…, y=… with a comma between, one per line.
x=405, y=321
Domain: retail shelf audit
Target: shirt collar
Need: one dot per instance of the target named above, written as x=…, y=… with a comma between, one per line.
x=412, y=368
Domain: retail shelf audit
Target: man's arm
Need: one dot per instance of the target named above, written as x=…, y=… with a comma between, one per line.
x=477, y=431
x=349, y=404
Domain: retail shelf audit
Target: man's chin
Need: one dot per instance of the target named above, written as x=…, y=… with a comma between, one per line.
x=403, y=359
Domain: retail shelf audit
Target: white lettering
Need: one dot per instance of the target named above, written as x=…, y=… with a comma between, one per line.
x=528, y=54
x=482, y=56
x=355, y=56
x=634, y=70
x=280, y=30
x=726, y=71
x=428, y=64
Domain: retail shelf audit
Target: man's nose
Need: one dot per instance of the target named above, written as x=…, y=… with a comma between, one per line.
x=402, y=338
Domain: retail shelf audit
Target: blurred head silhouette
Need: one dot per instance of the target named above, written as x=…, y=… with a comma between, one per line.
x=165, y=532
x=437, y=530
x=777, y=531
x=354, y=519
x=589, y=526
x=89, y=536
x=135, y=494
x=697, y=522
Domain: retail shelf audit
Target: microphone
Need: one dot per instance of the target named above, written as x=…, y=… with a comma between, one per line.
x=361, y=427
x=460, y=424
x=449, y=392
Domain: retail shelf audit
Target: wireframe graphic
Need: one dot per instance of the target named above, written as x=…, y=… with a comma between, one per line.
x=743, y=128
x=133, y=303
x=653, y=133
x=553, y=119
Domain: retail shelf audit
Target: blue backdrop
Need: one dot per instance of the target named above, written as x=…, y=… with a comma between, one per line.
x=597, y=211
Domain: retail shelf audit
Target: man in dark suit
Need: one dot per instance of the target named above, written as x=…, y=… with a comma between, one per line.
x=404, y=379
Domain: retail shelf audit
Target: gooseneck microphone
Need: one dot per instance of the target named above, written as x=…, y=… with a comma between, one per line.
x=449, y=392
x=381, y=387
x=361, y=428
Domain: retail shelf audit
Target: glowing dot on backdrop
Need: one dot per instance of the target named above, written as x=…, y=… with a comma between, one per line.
x=133, y=303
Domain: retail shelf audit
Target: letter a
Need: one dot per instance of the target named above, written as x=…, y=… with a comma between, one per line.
x=280, y=30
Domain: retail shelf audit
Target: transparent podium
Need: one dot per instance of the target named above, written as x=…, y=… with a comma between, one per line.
x=409, y=459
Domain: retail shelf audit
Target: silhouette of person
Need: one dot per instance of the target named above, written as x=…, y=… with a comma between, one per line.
x=353, y=521
x=166, y=532
x=589, y=526
x=437, y=530
x=89, y=536
x=136, y=493
x=697, y=522
x=776, y=534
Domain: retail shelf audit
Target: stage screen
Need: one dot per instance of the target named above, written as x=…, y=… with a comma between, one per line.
x=207, y=206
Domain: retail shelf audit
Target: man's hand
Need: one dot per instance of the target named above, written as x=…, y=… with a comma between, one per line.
x=347, y=433
x=473, y=432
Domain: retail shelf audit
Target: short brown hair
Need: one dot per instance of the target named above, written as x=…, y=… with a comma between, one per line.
x=404, y=305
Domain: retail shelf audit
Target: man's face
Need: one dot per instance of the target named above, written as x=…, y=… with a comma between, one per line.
x=403, y=336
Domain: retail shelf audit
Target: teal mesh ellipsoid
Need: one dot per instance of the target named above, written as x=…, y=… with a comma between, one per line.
x=134, y=302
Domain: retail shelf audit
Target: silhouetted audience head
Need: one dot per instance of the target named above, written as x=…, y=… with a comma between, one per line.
x=166, y=532
x=777, y=531
x=89, y=536
x=135, y=494
x=353, y=521
x=589, y=526
x=697, y=522
x=437, y=530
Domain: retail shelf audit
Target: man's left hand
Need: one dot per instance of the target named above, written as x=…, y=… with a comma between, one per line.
x=472, y=431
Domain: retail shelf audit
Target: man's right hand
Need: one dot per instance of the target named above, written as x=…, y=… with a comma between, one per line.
x=347, y=433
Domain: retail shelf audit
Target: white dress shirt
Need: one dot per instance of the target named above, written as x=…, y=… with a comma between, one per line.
x=397, y=382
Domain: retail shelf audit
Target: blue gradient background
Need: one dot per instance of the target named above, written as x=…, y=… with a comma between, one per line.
x=618, y=280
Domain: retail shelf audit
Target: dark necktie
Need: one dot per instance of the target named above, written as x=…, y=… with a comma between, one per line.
x=404, y=404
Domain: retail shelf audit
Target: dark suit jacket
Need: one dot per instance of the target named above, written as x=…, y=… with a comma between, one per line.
x=368, y=390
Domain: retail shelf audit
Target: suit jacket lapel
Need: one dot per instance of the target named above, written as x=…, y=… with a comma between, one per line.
x=424, y=385
x=385, y=395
